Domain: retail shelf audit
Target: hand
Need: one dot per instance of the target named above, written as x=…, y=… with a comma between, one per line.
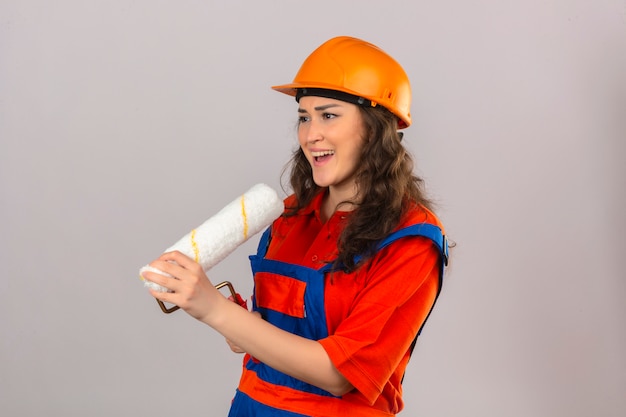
x=191, y=289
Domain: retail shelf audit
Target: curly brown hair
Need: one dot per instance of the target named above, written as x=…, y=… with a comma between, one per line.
x=386, y=183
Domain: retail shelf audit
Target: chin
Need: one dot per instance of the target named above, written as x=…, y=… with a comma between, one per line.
x=322, y=182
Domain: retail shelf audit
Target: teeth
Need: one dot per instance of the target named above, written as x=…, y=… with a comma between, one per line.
x=322, y=153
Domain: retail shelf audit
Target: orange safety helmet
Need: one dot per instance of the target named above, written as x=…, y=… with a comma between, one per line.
x=358, y=68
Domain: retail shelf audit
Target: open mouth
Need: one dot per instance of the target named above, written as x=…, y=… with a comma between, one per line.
x=322, y=155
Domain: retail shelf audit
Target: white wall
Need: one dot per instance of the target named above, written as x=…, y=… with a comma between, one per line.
x=124, y=124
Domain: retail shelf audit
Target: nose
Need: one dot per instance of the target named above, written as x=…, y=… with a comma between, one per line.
x=312, y=131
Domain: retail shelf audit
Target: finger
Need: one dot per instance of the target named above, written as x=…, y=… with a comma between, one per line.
x=180, y=258
x=171, y=268
x=160, y=279
x=166, y=297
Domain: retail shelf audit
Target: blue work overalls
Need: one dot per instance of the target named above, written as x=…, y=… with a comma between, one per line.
x=310, y=324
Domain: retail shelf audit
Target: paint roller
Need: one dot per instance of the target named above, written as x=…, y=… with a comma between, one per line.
x=220, y=235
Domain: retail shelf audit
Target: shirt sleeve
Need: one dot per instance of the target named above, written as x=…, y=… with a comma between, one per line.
x=368, y=347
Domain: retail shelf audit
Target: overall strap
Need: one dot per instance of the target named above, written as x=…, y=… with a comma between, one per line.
x=264, y=242
x=426, y=230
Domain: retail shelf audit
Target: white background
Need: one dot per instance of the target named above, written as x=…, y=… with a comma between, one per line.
x=125, y=124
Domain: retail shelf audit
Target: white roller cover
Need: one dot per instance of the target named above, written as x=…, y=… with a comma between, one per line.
x=220, y=235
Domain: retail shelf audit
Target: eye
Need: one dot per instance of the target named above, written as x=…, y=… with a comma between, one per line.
x=328, y=115
x=303, y=119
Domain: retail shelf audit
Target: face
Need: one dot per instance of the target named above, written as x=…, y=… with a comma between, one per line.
x=331, y=134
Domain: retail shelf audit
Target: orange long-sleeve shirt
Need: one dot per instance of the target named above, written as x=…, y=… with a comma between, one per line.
x=373, y=314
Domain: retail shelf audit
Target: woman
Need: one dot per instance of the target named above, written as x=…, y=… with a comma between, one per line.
x=346, y=277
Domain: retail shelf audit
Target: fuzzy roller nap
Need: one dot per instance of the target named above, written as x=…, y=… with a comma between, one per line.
x=220, y=235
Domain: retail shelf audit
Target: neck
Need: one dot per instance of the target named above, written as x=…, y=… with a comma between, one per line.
x=335, y=200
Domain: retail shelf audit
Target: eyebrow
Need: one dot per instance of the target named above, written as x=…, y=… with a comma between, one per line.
x=320, y=108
